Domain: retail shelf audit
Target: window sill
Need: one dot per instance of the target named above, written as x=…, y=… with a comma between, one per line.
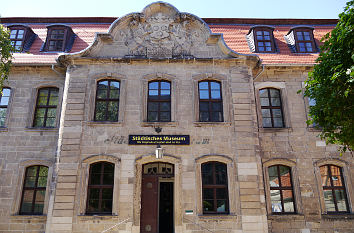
x=25, y=216
x=207, y=217
x=208, y=124
x=40, y=129
x=104, y=123
x=159, y=124
x=338, y=216
x=269, y=130
x=86, y=217
x=286, y=217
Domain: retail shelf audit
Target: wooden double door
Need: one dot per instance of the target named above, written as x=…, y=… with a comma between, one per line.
x=157, y=208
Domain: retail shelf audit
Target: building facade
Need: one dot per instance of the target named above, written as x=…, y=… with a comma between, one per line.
x=164, y=122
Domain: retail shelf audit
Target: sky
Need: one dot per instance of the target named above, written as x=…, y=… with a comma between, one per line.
x=306, y=9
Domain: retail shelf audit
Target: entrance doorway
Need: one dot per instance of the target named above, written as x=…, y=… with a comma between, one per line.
x=157, y=190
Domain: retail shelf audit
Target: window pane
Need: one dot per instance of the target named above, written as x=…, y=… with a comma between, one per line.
x=216, y=116
x=221, y=193
x=108, y=178
x=165, y=106
x=267, y=122
x=101, y=108
x=165, y=116
x=276, y=201
x=4, y=100
x=51, y=112
x=94, y=193
x=285, y=176
x=203, y=94
x=32, y=171
x=273, y=176
x=208, y=205
x=95, y=179
x=215, y=94
x=276, y=113
x=152, y=116
x=38, y=122
x=275, y=101
x=204, y=116
x=30, y=182
x=221, y=206
x=113, y=111
x=153, y=93
x=208, y=193
x=114, y=93
x=329, y=201
x=341, y=199
x=2, y=116
x=299, y=36
x=204, y=106
x=13, y=34
x=153, y=85
x=288, y=201
x=215, y=85
x=216, y=106
x=263, y=93
x=153, y=106
x=165, y=93
x=106, y=206
x=165, y=85
x=39, y=202
x=40, y=112
x=27, y=201
x=325, y=176
x=264, y=101
x=50, y=122
x=265, y=112
x=203, y=86
x=307, y=36
x=220, y=173
x=207, y=173
x=278, y=122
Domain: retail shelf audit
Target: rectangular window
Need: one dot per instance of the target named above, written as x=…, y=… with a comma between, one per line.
x=100, y=188
x=159, y=101
x=210, y=102
x=271, y=107
x=107, y=100
x=4, y=103
x=334, y=192
x=17, y=36
x=46, y=107
x=304, y=42
x=281, y=189
x=56, y=40
x=34, y=189
x=214, y=186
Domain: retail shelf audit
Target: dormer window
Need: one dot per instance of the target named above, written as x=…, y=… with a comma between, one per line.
x=301, y=40
x=60, y=38
x=261, y=40
x=21, y=37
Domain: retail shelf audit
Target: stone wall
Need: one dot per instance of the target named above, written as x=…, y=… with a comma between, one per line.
x=21, y=145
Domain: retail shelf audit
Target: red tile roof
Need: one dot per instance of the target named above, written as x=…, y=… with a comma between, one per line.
x=234, y=32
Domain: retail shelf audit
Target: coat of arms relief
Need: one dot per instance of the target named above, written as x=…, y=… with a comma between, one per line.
x=161, y=36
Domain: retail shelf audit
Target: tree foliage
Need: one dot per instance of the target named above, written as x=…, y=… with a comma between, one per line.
x=6, y=50
x=331, y=83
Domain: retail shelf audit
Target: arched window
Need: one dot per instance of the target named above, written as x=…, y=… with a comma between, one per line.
x=159, y=101
x=335, y=196
x=281, y=189
x=100, y=188
x=34, y=189
x=210, y=101
x=271, y=107
x=215, y=189
x=4, y=103
x=107, y=100
x=46, y=107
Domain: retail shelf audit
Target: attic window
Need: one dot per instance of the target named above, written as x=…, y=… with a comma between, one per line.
x=304, y=41
x=21, y=37
x=261, y=39
x=60, y=38
x=301, y=40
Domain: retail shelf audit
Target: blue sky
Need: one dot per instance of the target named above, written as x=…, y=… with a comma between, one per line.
x=203, y=8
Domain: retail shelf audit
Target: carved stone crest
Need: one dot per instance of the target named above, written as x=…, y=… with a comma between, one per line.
x=159, y=36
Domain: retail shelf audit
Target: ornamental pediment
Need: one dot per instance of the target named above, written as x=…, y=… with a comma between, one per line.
x=160, y=31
